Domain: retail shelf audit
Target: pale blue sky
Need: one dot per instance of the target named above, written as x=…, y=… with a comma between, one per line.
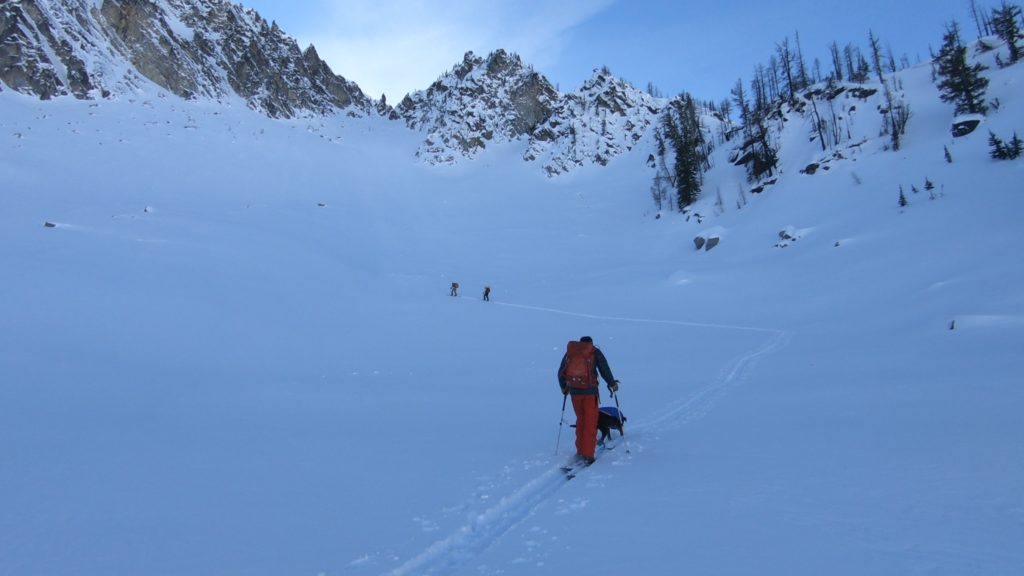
x=395, y=47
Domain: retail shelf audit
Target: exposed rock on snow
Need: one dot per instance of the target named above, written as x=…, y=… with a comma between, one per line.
x=707, y=243
x=964, y=125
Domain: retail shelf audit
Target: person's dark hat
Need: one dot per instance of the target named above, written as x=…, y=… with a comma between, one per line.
x=586, y=339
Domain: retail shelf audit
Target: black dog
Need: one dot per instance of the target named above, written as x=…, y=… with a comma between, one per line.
x=608, y=419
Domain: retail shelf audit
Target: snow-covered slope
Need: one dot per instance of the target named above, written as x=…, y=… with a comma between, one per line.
x=232, y=351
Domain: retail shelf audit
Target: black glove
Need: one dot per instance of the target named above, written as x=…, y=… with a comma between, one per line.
x=613, y=387
x=565, y=390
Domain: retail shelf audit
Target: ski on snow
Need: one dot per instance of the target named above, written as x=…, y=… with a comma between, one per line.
x=571, y=470
x=576, y=465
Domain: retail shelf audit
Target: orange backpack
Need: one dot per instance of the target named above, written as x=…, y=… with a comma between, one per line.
x=579, y=365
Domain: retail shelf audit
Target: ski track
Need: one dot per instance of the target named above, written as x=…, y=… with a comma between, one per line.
x=486, y=527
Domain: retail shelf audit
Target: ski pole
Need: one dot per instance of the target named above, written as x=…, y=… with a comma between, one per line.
x=560, y=422
x=622, y=430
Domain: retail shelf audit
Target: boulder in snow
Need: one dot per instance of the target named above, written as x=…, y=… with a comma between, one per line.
x=965, y=125
x=706, y=243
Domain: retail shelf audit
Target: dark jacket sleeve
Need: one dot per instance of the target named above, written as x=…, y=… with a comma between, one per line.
x=561, y=379
x=602, y=367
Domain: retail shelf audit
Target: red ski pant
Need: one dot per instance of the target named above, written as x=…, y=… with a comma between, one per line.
x=586, y=407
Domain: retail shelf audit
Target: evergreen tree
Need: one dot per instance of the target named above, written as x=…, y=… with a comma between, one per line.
x=997, y=147
x=959, y=82
x=1005, y=22
x=857, y=68
x=764, y=157
x=897, y=115
x=980, y=20
x=848, y=52
x=684, y=135
x=1001, y=150
x=801, y=64
x=876, y=56
x=786, y=62
x=837, y=63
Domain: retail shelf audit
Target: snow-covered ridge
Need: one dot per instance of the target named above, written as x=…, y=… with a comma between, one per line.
x=194, y=49
x=499, y=99
x=480, y=100
x=604, y=118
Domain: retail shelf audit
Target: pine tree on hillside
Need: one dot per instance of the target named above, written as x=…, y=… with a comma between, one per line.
x=998, y=147
x=837, y=62
x=1005, y=22
x=801, y=64
x=684, y=136
x=959, y=82
x=1015, y=147
x=897, y=113
x=754, y=116
x=980, y=20
x=857, y=68
x=792, y=65
x=1001, y=150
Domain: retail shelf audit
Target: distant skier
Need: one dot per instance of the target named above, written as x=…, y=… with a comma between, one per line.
x=455, y=288
x=487, y=293
x=577, y=376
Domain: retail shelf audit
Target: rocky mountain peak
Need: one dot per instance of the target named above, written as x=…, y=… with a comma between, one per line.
x=191, y=48
x=479, y=100
x=605, y=117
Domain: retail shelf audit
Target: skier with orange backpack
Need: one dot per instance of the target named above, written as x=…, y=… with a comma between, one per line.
x=577, y=376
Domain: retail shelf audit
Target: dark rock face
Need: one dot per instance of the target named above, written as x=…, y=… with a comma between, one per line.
x=156, y=51
x=26, y=28
x=191, y=48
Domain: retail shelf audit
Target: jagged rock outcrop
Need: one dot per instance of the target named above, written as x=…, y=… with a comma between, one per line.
x=191, y=48
x=499, y=99
x=604, y=118
x=34, y=34
x=479, y=100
